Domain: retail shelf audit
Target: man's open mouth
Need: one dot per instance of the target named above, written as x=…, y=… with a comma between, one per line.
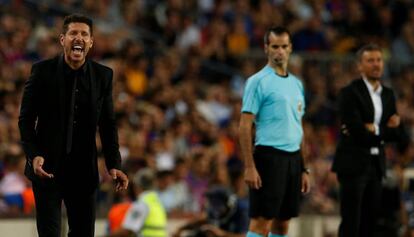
x=77, y=49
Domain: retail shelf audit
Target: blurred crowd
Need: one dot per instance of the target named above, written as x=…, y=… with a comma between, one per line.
x=179, y=72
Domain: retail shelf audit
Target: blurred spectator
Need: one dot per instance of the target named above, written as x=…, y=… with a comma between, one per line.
x=14, y=184
x=190, y=35
x=122, y=203
x=403, y=46
x=198, y=179
x=223, y=216
x=310, y=38
x=164, y=181
x=238, y=38
x=181, y=191
x=146, y=216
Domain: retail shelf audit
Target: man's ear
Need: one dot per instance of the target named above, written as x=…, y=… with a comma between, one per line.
x=61, y=39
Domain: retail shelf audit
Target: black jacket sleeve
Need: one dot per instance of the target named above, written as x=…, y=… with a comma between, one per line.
x=107, y=129
x=28, y=114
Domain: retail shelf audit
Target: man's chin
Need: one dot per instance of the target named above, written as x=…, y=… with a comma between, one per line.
x=278, y=61
x=77, y=58
x=375, y=78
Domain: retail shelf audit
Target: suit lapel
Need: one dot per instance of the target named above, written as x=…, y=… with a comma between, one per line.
x=366, y=98
x=94, y=90
x=60, y=77
x=387, y=107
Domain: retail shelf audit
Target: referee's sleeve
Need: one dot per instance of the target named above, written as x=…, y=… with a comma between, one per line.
x=252, y=96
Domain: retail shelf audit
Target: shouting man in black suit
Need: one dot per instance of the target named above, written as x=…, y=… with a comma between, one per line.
x=369, y=119
x=64, y=101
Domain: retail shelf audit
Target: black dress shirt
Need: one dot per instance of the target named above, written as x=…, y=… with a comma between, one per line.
x=77, y=160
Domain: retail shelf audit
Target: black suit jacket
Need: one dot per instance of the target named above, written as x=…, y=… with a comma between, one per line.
x=355, y=110
x=42, y=124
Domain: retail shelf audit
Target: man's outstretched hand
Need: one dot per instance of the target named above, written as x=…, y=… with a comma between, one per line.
x=121, y=180
x=38, y=162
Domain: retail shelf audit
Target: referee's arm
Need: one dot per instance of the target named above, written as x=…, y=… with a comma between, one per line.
x=251, y=176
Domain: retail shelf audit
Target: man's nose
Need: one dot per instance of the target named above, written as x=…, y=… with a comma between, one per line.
x=78, y=37
x=377, y=64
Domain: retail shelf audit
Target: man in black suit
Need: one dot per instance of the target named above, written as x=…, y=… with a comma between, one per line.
x=369, y=119
x=65, y=99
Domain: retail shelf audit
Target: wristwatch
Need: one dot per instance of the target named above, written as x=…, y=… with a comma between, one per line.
x=306, y=170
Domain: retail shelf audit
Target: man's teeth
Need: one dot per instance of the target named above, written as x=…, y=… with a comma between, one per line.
x=77, y=47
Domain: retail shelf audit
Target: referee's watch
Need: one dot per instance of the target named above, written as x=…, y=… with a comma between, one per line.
x=306, y=170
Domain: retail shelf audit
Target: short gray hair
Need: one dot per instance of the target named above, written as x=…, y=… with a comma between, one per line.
x=144, y=178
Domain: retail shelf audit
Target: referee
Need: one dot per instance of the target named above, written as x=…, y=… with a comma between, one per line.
x=274, y=101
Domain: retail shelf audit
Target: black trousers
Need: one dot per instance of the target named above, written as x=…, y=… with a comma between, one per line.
x=80, y=208
x=360, y=197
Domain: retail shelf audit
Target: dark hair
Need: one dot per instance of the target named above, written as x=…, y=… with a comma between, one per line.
x=76, y=18
x=367, y=48
x=277, y=30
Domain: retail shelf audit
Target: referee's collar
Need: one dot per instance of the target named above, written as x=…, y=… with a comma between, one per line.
x=274, y=71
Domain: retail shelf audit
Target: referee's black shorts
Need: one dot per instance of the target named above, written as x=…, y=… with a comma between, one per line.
x=279, y=196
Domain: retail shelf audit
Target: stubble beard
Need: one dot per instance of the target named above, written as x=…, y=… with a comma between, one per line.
x=279, y=62
x=374, y=78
